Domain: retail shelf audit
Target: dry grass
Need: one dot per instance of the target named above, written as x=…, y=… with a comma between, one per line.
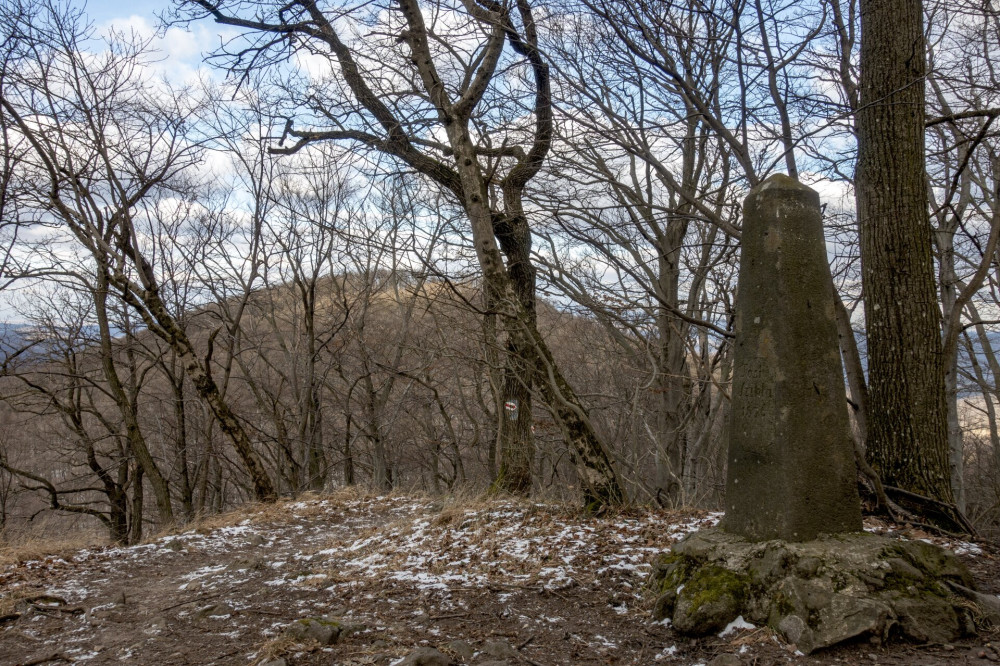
x=275, y=649
x=9, y=602
x=267, y=512
x=37, y=541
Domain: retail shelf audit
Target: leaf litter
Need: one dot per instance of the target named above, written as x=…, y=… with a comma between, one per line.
x=394, y=573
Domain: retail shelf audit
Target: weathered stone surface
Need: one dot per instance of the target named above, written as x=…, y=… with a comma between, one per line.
x=321, y=630
x=710, y=599
x=929, y=618
x=845, y=617
x=791, y=472
x=425, y=656
x=663, y=607
x=815, y=593
x=463, y=649
x=937, y=562
x=499, y=649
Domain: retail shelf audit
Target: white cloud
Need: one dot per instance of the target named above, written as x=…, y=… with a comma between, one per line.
x=178, y=52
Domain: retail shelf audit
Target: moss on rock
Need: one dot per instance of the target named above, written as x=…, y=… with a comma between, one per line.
x=816, y=593
x=710, y=599
x=931, y=560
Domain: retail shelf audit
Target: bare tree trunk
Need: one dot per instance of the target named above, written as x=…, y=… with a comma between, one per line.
x=672, y=385
x=135, y=532
x=516, y=440
x=158, y=318
x=181, y=444
x=348, y=464
x=854, y=369
x=989, y=391
x=137, y=443
x=908, y=421
x=492, y=359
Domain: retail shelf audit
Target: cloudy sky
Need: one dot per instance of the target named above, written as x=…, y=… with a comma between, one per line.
x=181, y=48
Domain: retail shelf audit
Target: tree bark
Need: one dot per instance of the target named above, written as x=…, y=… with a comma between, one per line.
x=908, y=434
x=516, y=440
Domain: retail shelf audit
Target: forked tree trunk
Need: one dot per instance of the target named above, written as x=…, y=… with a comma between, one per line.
x=136, y=440
x=598, y=480
x=158, y=318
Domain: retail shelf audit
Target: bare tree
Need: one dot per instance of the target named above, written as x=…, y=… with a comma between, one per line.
x=104, y=140
x=443, y=90
x=62, y=385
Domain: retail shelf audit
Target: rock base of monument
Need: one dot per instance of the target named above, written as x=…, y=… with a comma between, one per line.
x=819, y=593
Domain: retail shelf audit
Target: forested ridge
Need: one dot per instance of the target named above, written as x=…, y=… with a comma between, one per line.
x=448, y=246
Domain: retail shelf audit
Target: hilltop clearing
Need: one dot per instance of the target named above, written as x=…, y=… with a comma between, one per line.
x=368, y=580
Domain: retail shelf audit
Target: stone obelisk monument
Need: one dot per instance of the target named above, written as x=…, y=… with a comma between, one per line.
x=792, y=477
x=791, y=473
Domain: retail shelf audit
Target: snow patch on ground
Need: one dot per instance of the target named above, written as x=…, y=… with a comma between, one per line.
x=736, y=625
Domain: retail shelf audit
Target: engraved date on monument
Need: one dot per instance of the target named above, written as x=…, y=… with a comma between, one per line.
x=753, y=402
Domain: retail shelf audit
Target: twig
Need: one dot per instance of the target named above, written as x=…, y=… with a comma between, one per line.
x=57, y=656
x=524, y=644
x=260, y=612
x=72, y=610
x=39, y=598
x=202, y=597
x=447, y=617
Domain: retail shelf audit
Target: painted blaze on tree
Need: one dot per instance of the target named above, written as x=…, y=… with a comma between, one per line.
x=791, y=471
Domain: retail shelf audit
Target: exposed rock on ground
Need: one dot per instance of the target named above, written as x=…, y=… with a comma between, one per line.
x=817, y=593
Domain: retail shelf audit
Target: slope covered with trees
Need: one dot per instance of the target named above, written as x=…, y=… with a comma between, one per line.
x=447, y=244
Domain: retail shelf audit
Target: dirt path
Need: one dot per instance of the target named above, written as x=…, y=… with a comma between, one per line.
x=509, y=584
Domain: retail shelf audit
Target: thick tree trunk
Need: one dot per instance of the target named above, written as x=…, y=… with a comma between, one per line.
x=908, y=433
x=516, y=440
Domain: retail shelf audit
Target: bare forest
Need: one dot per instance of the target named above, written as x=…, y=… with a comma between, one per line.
x=449, y=246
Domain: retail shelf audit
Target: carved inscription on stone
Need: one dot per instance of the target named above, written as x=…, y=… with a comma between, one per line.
x=753, y=393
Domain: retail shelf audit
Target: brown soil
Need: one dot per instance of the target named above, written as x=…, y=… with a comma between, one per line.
x=556, y=587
